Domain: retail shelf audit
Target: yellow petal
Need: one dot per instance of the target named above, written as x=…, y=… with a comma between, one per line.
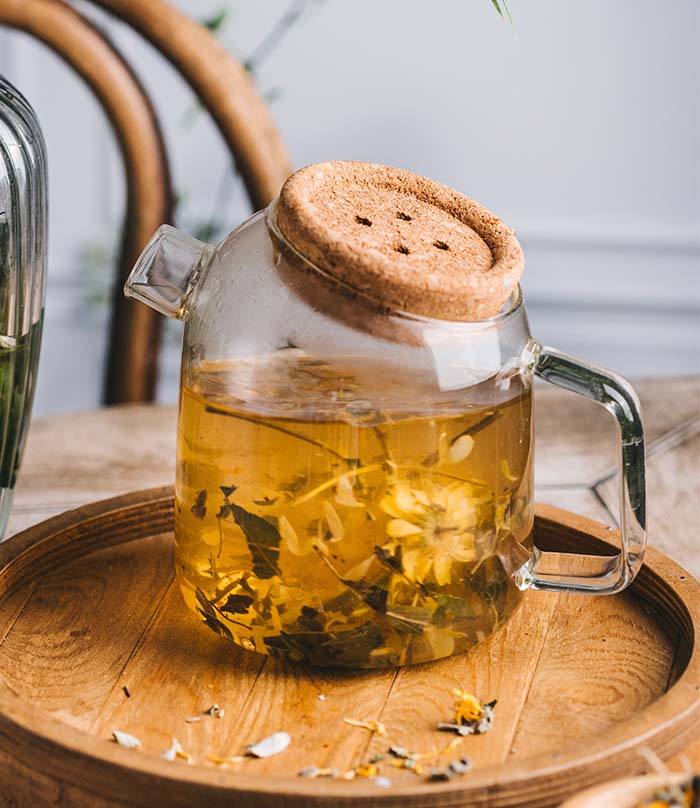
x=460, y=449
x=408, y=564
x=388, y=505
x=442, y=567
x=400, y=528
x=405, y=500
x=334, y=523
x=344, y=494
x=464, y=554
x=423, y=566
x=290, y=537
x=421, y=497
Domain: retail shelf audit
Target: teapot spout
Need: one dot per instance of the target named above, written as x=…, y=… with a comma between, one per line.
x=167, y=271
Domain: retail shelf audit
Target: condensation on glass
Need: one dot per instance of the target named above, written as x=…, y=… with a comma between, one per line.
x=23, y=230
x=356, y=489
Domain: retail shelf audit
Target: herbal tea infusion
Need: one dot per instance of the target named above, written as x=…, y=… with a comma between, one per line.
x=314, y=526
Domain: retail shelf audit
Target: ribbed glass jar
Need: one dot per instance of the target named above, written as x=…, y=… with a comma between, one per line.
x=23, y=239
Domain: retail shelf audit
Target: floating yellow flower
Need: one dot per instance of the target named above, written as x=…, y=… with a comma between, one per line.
x=432, y=525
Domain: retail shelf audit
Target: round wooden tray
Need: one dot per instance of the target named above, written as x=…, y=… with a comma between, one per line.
x=89, y=613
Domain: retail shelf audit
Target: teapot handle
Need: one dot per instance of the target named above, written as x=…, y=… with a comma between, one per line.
x=586, y=573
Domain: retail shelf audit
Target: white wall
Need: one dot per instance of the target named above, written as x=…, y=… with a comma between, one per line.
x=584, y=136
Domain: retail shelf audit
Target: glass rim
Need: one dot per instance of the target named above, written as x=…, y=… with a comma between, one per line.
x=510, y=308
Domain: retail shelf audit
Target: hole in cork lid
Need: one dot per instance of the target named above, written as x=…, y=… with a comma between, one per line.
x=441, y=245
x=363, y=220
x=404, y=216
x=402, y=248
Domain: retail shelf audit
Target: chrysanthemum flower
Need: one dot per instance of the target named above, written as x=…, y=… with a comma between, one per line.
x=432, y=525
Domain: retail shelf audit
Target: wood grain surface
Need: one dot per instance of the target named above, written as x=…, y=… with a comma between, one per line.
x=95, y=637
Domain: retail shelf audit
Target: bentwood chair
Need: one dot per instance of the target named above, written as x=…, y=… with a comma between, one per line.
x=225, y=91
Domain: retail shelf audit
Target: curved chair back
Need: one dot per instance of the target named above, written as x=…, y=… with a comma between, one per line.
x=225, y=91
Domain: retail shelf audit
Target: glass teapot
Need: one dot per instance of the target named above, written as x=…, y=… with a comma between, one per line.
x=355, y=482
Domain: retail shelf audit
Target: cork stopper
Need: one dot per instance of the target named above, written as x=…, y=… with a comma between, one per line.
x=403, y=241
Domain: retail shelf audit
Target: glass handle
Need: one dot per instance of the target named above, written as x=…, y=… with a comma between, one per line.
x=586, y=573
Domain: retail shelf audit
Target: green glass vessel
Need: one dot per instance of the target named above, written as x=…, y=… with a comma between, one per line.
x=23, y=239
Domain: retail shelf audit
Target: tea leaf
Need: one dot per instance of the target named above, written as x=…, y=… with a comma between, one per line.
x=237, y=604
x=199, y=509
x=349, y=648
x=210, y=617
x=263, y=541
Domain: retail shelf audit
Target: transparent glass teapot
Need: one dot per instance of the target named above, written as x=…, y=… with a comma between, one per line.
x=355, y=486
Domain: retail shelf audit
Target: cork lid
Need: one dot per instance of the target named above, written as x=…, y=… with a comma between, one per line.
x=404, y=241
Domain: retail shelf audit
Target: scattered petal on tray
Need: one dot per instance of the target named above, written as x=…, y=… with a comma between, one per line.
x=314, y=772
x=171, y=753
x=681, y=795
x=126, y=740
x=455, y=768
x=382, y=782
x=272, y=745
x=224, y=761
x=472, y=717
x=408, y=763
x=372, y=725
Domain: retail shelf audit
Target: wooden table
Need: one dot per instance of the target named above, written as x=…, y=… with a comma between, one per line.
x=76, y=458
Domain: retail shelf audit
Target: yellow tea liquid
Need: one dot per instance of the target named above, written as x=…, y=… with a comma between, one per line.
x=311, y=526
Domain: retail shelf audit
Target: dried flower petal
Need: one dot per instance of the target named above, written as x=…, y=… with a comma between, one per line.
x=460, y=766
x=126, y=740
x=472, y=716
x=460, y=449
x=400, y=752
x=372, y=725
x=505, y=468
x=344, y=494
x=334, y=523
x=382, y=782
x=367, y=770
x=408, y=763
x=295, y=545
x=467, y=708
x=450, y=746
x=460, y=729
x=171, y=753
x=224, y=761
x=439, y=775
x=272, y=745
x=314, y=772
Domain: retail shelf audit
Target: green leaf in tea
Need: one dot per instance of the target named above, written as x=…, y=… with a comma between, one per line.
x=210, y=617
x=199, y=509
x=237, y=604
x=263, y=541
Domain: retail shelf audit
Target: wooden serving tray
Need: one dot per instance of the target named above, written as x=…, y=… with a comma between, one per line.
x=88, y=607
